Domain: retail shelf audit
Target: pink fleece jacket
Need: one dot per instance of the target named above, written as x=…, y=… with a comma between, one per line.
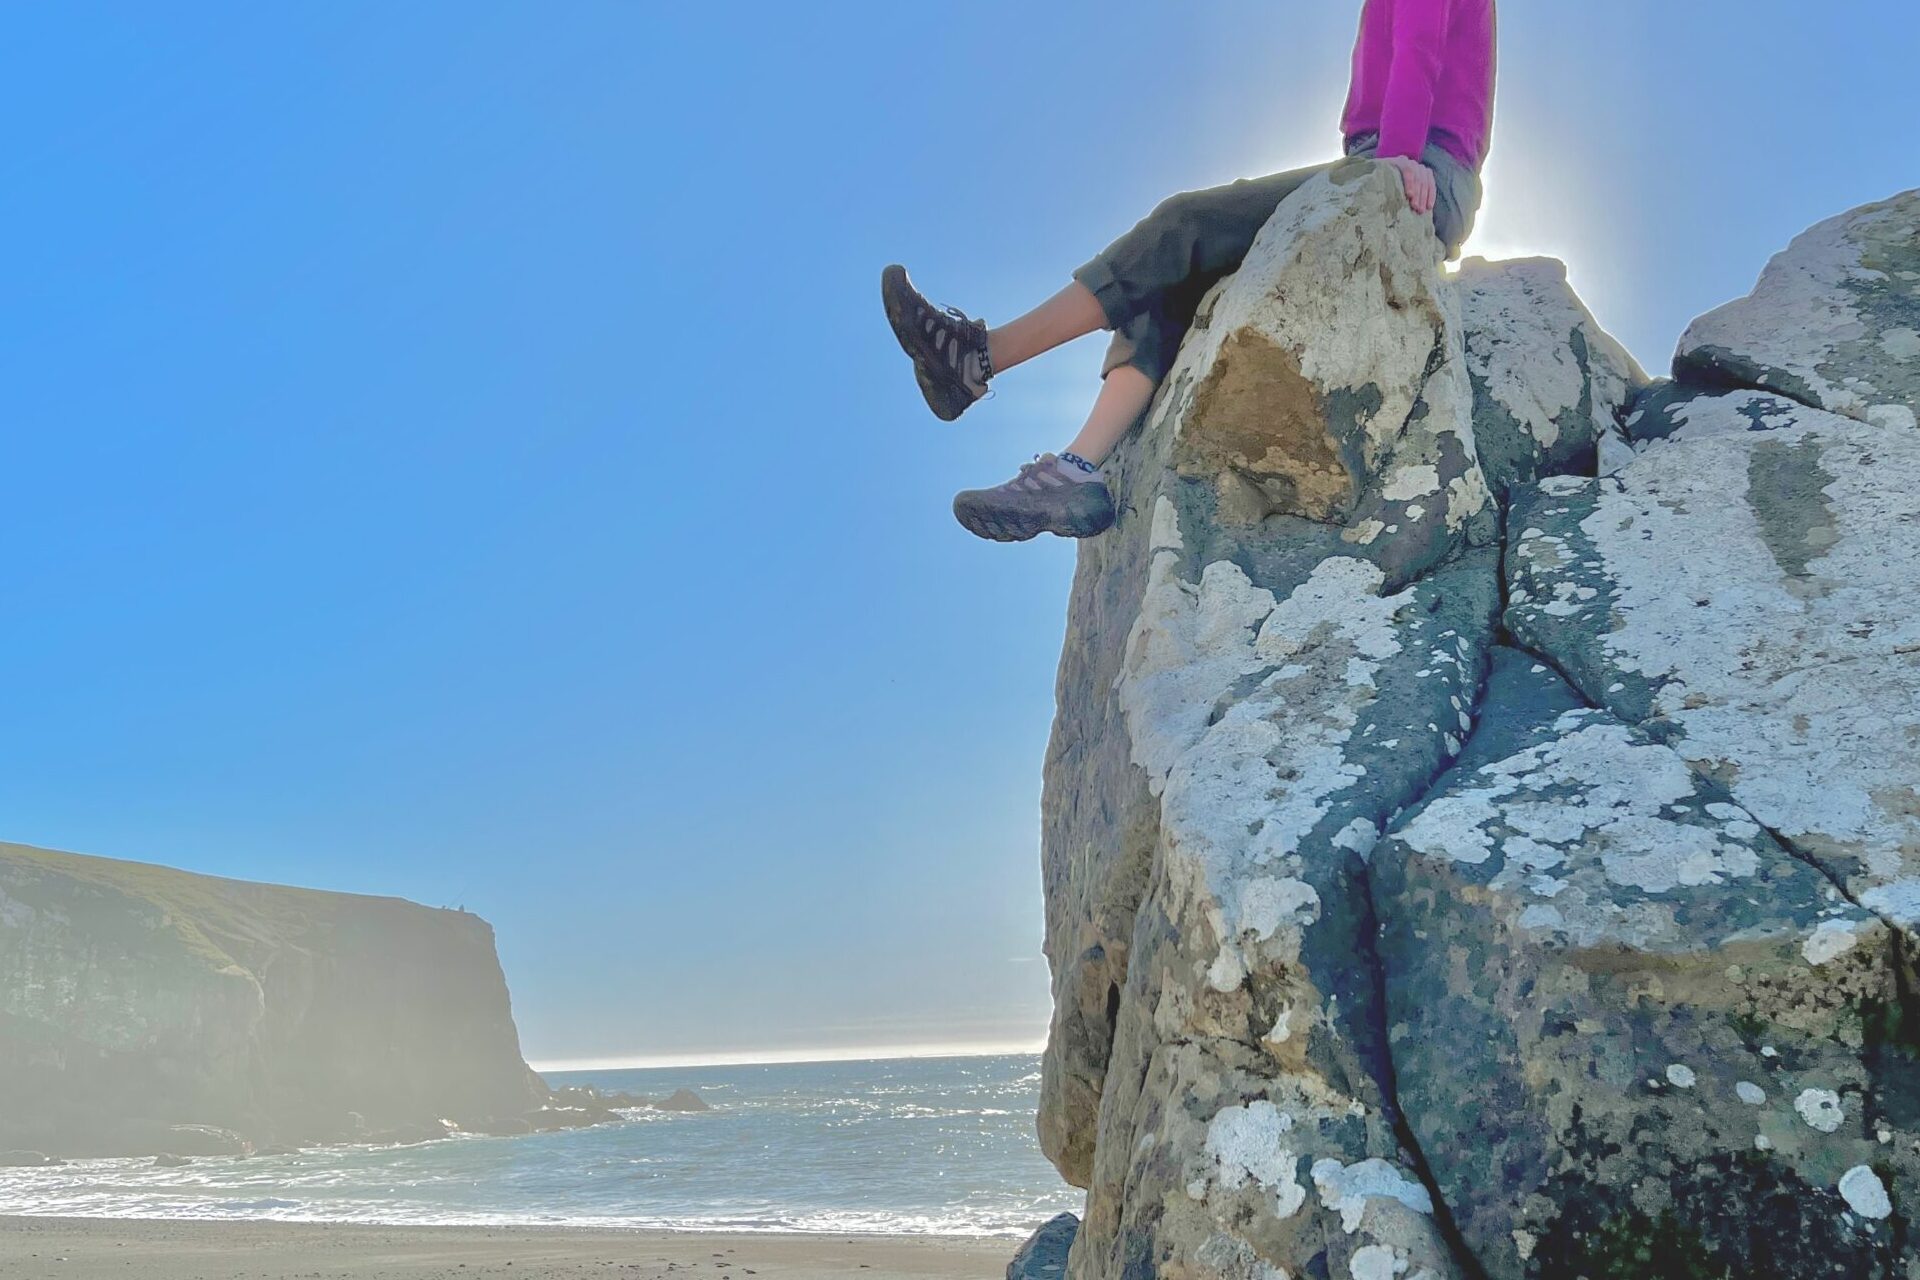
x=1423, y=71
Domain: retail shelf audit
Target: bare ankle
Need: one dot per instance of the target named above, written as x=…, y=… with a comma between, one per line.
x=999, y=358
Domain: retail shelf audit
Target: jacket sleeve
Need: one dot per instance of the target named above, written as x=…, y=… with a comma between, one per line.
x=1419, y=37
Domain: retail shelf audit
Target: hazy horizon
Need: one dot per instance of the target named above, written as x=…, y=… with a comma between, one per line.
x=458, y=454
x=795, y=1057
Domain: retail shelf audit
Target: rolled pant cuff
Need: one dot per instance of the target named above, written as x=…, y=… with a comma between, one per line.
x=1150, y=358
x=1120, y=353
x=1098, y=279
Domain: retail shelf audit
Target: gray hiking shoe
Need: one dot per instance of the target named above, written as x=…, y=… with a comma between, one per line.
x=948, y=348
x=1038, y=500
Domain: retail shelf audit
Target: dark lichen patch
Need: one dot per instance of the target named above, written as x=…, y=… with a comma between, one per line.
x=1786, y=489
x=1560, y=600
x=1633, y=1248
x=1651, y=413
x=1425, y=531
x=1738, y=1217
x=1664, y=407
x=1892, y=1033
x=1714, y=368
x=1583, y=360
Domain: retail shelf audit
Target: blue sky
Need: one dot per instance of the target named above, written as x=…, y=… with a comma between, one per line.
x=453, y=450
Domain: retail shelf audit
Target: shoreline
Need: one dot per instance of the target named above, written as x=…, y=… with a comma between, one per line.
x=42, y=1248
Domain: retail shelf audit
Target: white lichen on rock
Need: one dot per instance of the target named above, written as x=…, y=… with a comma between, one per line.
x=1347, y=1189
x=1821, y=1109
x=1230, y=846
x=1597, y=794
x=1751, y=648
x=1550, y=384
x=1248, y=1144
x=1241, y=725
x=1865, y=1194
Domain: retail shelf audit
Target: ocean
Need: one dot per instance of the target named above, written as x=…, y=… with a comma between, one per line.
x=938, y=1146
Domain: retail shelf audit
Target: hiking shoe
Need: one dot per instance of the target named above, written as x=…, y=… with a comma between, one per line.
x=948, y=348
x=1041, y=499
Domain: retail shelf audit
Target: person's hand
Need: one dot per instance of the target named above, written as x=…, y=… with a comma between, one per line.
x=1418, y=179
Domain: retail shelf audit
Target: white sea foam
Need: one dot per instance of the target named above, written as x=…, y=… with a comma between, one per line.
x=922, y=1147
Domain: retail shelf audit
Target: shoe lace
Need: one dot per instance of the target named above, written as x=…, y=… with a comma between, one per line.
x=958, y=325
x=1034, y=475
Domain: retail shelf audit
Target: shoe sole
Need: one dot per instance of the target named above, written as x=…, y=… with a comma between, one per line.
x=999, y=525
x=894, y=286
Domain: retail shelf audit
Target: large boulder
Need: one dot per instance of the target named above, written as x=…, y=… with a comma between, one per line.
x=1329, y=383
x=1746, y=596
x=1345, y=332
x=1833, y=323
x=1367, y=966
x=1550, y=386
x=1621, y=1012
x=1254, y=681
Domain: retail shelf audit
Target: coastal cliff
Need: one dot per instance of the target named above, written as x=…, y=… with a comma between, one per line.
x=145, y=1009
x=1480, y=832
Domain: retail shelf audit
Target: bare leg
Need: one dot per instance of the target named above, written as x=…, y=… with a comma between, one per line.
x=1123, y=397
x=1057, y=494
x=1067, y=315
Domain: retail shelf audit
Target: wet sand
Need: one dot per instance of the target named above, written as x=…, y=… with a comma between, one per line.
x=116, y=1249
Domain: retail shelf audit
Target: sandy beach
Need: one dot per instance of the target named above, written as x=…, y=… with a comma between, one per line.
x=116, y=1249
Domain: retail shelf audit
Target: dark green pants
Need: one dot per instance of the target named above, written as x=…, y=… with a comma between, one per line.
x=1150, y=281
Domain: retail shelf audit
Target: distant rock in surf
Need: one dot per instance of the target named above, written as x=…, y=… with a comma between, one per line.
x=26, y=1160
x=682, y=1100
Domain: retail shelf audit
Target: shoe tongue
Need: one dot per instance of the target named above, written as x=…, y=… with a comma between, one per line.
x=972, y=374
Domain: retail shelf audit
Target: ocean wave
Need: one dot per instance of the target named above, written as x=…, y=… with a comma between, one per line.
x=1010, y=1224
x=920, y=1151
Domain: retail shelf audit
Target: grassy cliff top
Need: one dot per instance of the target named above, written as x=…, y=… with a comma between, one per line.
x=211, y=913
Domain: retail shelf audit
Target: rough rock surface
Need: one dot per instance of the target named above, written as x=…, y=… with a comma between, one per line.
x=1329, y=383
x=1549, y=384
x=1621, y=1011
x=1669, y=410
x=1246, y=697
x=1044, y=1255
x=1737, y=591
x=1102, y=816
x=147, y=1010
x=1834, y=321
x=1367, y=964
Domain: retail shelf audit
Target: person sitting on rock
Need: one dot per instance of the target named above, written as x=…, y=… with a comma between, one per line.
x=1421, y=100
